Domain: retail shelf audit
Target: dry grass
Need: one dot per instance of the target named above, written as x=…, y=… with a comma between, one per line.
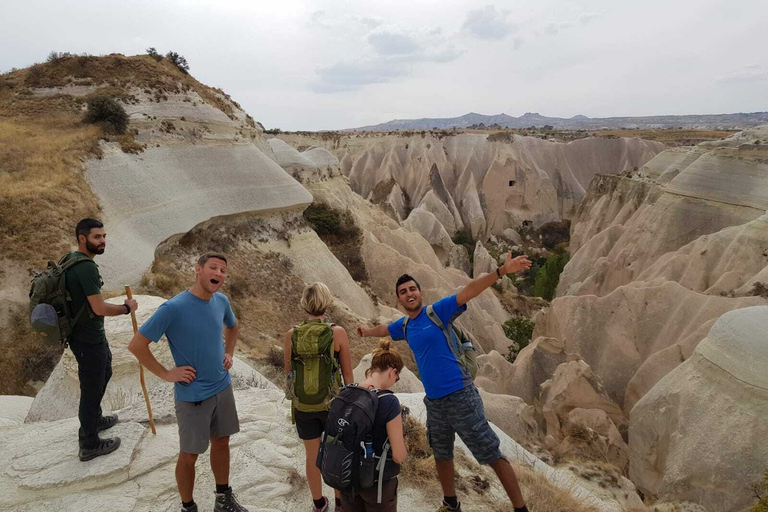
x=669, y=137
x=543, y=496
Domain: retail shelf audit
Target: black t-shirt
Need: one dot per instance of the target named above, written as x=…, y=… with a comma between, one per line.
x=389, y=408
x=82, y=281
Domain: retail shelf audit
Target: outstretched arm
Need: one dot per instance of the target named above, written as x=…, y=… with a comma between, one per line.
x=380, y=331
x=480, y=284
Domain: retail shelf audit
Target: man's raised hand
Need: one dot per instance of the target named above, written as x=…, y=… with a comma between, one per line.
x=185, y=374
x=513, y=265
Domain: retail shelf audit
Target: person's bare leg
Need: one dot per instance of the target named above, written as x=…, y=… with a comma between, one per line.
x=185, y=475
x=314, y=478
x=446, y=474
x=508, y=479
x=220, y=459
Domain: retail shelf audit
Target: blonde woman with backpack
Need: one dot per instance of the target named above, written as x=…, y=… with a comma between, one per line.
x=316, y=357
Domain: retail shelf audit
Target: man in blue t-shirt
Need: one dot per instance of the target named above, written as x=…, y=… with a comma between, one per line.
x=193, y=322
x=453, y=403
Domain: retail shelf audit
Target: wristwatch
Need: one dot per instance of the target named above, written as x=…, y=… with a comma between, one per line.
x=497, y=272
x=127, y=308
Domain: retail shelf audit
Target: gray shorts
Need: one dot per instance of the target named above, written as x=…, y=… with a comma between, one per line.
x=212, y=418
x=462, y=413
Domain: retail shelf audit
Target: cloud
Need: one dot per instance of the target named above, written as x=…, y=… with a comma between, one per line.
x=554, y=27
x=352, y=75
x=517, y=42
x=321, y=19
x=586, y=17
x=487, y=23
x=391, y=43
x=750, y=73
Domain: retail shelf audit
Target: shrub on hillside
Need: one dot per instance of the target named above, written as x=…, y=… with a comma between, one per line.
x=179, y=61
x=152, y=52
x=760, y=290
x=519, y=330
x=107, y=113
x=549, y=275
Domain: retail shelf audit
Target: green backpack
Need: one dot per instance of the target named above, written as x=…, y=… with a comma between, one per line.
x=315, y=375
x=459, y=342
x=50, y=304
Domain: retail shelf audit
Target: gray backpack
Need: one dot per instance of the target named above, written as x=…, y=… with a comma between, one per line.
x=458, y=341
x=51, y=305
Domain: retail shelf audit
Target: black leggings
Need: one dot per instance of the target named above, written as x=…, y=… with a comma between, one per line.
x=94, y=368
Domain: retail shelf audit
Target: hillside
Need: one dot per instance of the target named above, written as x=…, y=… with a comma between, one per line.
x=699, y=121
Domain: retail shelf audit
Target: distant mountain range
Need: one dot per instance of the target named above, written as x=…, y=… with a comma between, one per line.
x=704, y=121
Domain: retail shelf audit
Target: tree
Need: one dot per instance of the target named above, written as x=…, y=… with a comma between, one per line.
x=549, y=275
x=519, y=330
x=152, y=52
x=107, y=113
x=179, y=61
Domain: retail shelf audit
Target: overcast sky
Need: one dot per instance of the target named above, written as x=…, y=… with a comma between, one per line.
x=311, y=65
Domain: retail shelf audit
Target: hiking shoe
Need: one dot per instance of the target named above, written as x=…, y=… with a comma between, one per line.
x=106, y=422
x=324, y=508
x=105, y=446
x=227, y=502
x=447, y=508
x=193, y=508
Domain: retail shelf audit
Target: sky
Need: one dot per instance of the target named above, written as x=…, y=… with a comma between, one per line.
x=333, y=64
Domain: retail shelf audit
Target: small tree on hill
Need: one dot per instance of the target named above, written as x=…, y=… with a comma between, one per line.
x=549, y=275
x=179, y=61
x=107, y=113
x=519, y=330
x=152, y=52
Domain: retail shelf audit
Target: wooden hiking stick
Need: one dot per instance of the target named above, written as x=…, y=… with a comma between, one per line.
x=141, y=368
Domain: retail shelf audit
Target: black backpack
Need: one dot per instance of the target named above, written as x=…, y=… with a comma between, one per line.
x=50, y=304
x=341, y=457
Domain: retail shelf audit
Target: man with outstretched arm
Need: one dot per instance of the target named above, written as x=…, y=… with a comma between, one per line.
x=453, y=403
x=88, y=340
x=193, y=322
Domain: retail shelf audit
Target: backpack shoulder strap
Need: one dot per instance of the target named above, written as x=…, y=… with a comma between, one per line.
x=434, y=317
x=74, y=261
x=449, y=337
x=405, y=326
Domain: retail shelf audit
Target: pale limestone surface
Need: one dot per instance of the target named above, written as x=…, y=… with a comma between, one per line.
x=699, y=434
x=170, y=189
x=13, y=409
x=619, y=333
x=314, y=164
x=475, y=174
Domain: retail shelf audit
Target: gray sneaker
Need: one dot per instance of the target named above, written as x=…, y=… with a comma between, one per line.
x=227, y=502
x=193, y=508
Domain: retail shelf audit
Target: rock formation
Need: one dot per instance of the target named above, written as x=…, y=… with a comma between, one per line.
x=699, y=433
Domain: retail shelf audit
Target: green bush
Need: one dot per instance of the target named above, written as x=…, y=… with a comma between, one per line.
x=520, y=330
x=179, y=61
x=107, y=113
x=526, y=281
x=549, y=275
x=324, y=219
x=152, y=52
x=463, y=238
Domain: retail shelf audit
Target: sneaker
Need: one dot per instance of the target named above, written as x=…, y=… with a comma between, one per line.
x=106, y=422
x=193, y=508
x=447, y=508
x=227, y=502
x=105, y=446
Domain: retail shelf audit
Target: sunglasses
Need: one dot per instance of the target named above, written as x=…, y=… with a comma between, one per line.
x=397, y=375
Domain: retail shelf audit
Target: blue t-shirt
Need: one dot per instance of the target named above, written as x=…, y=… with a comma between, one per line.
x=194, y=328
x=439, y=370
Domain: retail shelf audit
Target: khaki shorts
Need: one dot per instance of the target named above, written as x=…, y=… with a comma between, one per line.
x=212, y=418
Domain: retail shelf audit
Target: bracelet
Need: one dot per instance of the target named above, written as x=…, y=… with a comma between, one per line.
x=498, y=273
x=127, y=309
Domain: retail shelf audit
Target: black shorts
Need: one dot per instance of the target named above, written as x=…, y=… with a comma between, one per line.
x=310, y=425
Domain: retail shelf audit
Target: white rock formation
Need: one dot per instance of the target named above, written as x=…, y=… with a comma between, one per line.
x=13, y=409
x=699, y=433
x=408, y=383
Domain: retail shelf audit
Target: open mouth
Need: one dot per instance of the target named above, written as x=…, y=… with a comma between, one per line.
x=215, y=281
x=411, y=301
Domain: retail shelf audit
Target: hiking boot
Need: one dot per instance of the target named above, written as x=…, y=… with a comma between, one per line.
x=105, y=446
x=227, y=502
x=193, y=508
x=106, y=422
x=447, y=508
x=324, y=508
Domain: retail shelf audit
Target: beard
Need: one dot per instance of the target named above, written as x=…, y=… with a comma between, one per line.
x=415, y=307
x=94, y=249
